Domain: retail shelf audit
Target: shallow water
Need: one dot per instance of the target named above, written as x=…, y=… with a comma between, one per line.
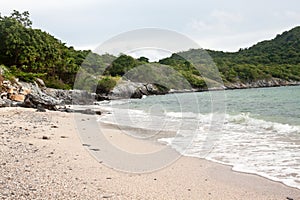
x=254, y=130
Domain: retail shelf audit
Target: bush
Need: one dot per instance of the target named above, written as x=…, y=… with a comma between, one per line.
x=57, y=84
x=106, y=84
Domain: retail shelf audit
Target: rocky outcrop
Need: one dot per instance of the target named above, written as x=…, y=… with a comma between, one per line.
x=36, y=95
x=76, y=97
x=273, y=82
x=40, y=102
x=128, y=89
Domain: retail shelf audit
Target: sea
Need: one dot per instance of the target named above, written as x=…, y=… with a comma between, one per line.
x=253, y=130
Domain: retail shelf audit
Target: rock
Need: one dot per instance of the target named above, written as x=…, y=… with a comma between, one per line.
x=40, y=109
x=101, y=97
x=76, y=97
x=128, y=89
x=98, y=112
x=87, y=112
x=10, y=90
x=3, y=95
x=17, y=97
x=44, y=101
x=25, y=91
x=2, y=103
x=40, y=82
x=6, y=103
x=107, y=196
x=45, y=138
x=273, y=82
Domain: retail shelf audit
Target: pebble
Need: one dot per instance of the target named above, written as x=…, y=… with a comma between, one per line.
x=107, y=196
x=45, y=137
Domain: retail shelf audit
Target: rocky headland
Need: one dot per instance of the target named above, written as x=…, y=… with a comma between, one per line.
x=36, y=95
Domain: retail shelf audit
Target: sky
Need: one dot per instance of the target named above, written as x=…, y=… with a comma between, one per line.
x=213, y=24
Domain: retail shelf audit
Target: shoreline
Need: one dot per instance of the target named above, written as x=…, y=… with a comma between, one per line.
x=59, y=166
x=154, y=141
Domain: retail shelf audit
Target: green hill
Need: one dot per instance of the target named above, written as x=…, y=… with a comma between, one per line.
x=276, y=58
x=28, y=53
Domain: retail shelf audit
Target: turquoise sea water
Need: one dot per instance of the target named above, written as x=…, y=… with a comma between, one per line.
x=254, y=130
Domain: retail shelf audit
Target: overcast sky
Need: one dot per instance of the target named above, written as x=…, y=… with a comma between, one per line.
x=215, y=24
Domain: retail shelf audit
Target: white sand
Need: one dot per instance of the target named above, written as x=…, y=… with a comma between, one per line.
x=62, y=168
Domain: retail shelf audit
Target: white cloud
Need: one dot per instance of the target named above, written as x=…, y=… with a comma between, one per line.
x=292, y=15
x=217, y=21
x=236, y=41
x=227, y=17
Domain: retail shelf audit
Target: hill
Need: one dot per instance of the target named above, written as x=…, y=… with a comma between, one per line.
x=276, y=58
x=28, y=53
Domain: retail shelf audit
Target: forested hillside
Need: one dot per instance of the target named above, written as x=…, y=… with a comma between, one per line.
x=28, y=53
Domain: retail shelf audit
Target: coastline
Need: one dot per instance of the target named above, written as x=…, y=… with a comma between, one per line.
x=42, y=157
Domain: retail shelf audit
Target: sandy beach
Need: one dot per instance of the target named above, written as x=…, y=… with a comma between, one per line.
x=42, y=157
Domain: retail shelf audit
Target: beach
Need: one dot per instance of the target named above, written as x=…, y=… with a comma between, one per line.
x=42, y=157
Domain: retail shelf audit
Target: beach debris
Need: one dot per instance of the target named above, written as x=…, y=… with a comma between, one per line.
x=45, y=138
x=106, y=196
x=95, y=149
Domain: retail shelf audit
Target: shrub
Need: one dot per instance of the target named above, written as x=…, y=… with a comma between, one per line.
x=105, y=85
x=56, y=83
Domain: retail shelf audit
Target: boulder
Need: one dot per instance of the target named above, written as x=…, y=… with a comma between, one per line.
x=41, y=101
x=128, y=89
x=7, y=103
x=2, y=103
x=68, y=97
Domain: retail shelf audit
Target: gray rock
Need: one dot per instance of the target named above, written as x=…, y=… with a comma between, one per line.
x=40, y=82
x=128, y=89
x=2, y=103
x=41, y=101
x=7, y=103
x=68, y=97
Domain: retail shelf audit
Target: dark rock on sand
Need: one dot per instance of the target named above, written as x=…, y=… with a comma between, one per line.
x=45, y=138
x=40, y=108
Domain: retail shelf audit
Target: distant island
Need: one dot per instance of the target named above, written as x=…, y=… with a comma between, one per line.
x=27, y=54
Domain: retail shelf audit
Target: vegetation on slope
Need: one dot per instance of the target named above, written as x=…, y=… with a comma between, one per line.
x=29, y=53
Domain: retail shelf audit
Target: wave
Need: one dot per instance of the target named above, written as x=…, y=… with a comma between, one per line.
x=250, y=145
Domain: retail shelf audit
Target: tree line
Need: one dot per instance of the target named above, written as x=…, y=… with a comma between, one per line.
x=29, y=53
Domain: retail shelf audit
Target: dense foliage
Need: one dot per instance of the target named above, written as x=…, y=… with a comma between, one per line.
x=277, y=58
x=29, y=53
